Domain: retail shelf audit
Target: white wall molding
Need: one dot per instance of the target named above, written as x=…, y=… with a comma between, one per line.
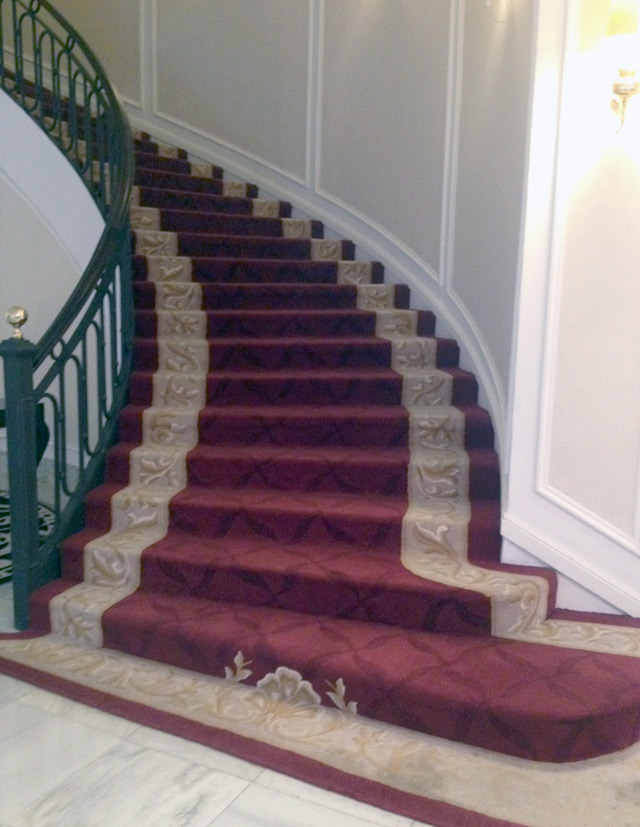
x=543, y=517
x=612, y=584
x=450, y=165
x=204, y=143
x=558, y=498
x=137, y=102
x=214, y=146
x=314, y=92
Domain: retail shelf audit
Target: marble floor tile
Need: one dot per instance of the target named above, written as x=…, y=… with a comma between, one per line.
x=66, y=765
x=57, y=705
x=6, y=608
x=195, y=753
x=35, y=761
x=130, y=786
x=11, y=689
x=262, y=807
x=315, y=795
x=16, y=718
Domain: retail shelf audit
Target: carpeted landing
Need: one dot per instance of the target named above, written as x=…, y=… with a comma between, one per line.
x=295, y=553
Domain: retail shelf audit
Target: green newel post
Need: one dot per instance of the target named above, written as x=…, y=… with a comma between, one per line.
x=20, y=416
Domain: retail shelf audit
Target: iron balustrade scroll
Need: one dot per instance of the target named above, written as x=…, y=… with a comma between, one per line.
x=77, y=373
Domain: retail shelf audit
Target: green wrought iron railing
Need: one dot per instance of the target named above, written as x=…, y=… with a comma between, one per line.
x=72, y=383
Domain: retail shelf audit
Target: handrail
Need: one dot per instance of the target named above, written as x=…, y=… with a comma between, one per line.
x=78, y=372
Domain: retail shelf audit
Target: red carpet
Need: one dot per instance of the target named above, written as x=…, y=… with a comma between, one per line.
x=294, y=413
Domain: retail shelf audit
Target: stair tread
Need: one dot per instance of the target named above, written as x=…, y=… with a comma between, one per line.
x=227, y=224
x=309, y=424
x=524, y=699
x=376, y=507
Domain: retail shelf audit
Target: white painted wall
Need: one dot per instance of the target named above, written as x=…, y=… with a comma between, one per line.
x=575, y=455
x=49, y=224
x=368, y=114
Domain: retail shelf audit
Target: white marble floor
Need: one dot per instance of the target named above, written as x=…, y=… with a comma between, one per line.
x=62, y=763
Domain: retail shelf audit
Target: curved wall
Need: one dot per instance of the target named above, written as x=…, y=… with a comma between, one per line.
x=49, y=224
x=368, y=114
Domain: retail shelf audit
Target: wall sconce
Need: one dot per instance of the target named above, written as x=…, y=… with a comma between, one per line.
x=622, y=34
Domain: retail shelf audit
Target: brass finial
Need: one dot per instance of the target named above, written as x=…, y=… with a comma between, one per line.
x=16, y=316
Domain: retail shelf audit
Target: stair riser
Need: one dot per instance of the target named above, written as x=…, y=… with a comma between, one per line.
x=278, y=357
x=201, y=202
x=297, y=473
x=237, y=271
x=308, y=390
x=227, y=428
x=146, y=160
x=286, y=474
x=148, y=147
x=298, y=355
x=361, y=531
x=224, y=427
x=158, y=178
x=278, y=324
x=236, y=247
x=267, y=297
x=222, y=224
x=217, y=517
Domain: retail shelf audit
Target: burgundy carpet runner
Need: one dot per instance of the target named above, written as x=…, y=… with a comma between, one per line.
x=304, y=497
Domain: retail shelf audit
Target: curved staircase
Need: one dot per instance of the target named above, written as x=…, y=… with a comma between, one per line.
x=304, y=497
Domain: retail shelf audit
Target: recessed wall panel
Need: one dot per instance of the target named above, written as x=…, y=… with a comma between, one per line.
x=112, y=30
x=592, y=413
x=384, y=114
x=237, y=70
x=493, y=127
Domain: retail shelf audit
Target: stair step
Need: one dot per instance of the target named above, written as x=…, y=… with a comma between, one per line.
x=203, y=202
x=290, y=387
x=200, y=244
x=331, y=469
x=185, y=221
x=294, y=353
x=270, y=296
x=149, y=147
x=364, y=521
x=242, y=270
x=268, y=324
x=160, y=178
x=535, y=702
x=380, y=426
x=150, y=160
